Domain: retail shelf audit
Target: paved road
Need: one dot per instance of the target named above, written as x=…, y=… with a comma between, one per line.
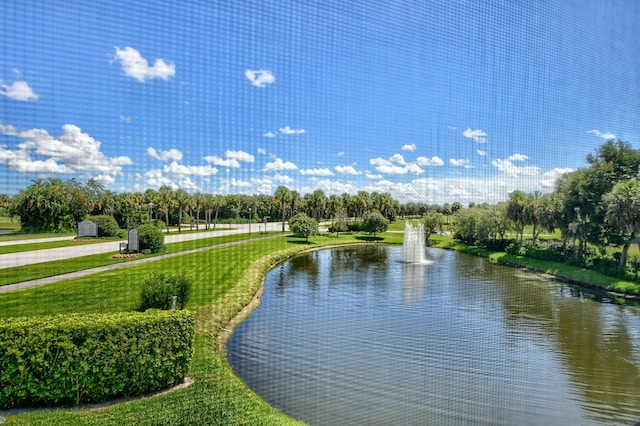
x=38, y=256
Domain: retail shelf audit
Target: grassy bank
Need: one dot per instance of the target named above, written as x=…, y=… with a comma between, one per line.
x=225, y=280
x=571, y=274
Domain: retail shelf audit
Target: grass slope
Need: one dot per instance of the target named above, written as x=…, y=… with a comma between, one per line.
x=225, y=280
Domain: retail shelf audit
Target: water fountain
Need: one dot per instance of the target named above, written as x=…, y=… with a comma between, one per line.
x=413, y=247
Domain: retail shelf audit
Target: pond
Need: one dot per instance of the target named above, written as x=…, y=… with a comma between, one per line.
x=355, y=336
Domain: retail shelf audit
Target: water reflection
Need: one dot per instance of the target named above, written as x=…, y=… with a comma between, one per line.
x=356, y=336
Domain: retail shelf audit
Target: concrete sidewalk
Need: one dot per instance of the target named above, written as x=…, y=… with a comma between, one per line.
x=11, y=260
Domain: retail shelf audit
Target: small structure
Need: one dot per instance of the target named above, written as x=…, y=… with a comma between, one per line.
x=133, y=242
x=87, y=228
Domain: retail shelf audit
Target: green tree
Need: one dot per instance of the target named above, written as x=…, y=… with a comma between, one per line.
x=165, y=201
x=183, y=200
x=623, y=210
x=283, y=196
x=517, y=212
x=303, y=226
x=432, y=222
x=374, y=223
x=340, y=221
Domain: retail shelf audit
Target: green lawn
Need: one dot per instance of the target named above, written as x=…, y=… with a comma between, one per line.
x=19, y=248
x=48, y=269
x=225, y=279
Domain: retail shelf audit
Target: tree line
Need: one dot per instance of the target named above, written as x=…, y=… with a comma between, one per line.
x=53, y=205
x=595, y=208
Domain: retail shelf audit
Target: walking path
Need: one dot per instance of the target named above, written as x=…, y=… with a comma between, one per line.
x=77, y=274
x=11, y=260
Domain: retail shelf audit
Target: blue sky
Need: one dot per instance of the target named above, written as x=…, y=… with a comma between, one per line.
x=435, y=102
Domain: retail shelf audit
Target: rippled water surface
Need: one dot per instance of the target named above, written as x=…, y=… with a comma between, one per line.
x=355, y=336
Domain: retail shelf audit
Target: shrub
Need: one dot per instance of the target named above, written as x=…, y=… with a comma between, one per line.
x=374, y=223
x=77, y=359
x=354, y=226
x=502, y=244
x=150, y=237
x=107, y=225
x=158, y=289
x=303, y=226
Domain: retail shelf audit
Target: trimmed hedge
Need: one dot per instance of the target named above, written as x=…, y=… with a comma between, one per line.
x=79, y=358
x=107, y=225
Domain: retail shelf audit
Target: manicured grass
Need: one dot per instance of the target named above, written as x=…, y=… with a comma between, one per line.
x=573, y=274
x=48, y=269
x=225, y=279
x=21, y=237
x=20, y=248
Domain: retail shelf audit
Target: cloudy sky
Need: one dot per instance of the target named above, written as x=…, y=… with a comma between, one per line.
x=435, y=101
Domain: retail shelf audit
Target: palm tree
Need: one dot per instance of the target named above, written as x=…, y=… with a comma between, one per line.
x=183, y=201
x=165, y=199
x=623, y=210
x=198, y=201
x=294, y=201
x=219, y=201
x=283, y=196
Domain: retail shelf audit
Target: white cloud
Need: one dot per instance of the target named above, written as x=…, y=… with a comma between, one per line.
x=481, y=152
x=341, y=154
x=222, y=162
x=260, y=78
x=278, y=164
x=169, y=155
x=606, y=136
x=331, y=187
x=372, y=176
x=414, y=169
x=283, y=178
x=269, y=135
x=240, y=156
x=19, y=90
x=317, y=172
x=508, y=168
x=477, y=135
x=125, y=119
x=105, y=180
x=398, y=158
x=347, y=170
x=548, y=179
x=458, y=162
x=518, y=157
x=433, y=161
x=180, y=169
x=410, y=148
x=262, y=151
x=289, y=131
x=71, y=152
x=391, y=167
x=134, y=65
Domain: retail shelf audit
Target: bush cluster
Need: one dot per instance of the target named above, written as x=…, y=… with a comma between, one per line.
x=107, y=225
x=158, y=289
x=78, y=359
x=150, y=238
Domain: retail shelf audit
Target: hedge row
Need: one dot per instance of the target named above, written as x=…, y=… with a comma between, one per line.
x=76, y=359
